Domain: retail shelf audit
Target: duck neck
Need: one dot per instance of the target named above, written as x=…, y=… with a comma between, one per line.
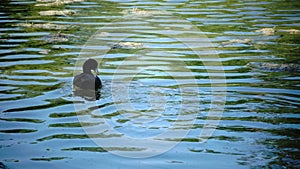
x=87, y=71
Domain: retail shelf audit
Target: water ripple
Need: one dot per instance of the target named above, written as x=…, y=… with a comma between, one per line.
x=260, y=124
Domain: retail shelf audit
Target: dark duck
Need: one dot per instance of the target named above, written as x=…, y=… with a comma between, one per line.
x=86, y=80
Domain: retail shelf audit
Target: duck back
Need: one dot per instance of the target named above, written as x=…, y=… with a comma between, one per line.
x=87, y=81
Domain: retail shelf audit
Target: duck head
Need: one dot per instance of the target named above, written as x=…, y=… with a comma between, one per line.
x=90, y=64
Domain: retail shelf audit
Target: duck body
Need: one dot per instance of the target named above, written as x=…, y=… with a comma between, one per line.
x=87, y=81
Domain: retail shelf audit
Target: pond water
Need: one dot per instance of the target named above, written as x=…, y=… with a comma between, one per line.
x=187, y=84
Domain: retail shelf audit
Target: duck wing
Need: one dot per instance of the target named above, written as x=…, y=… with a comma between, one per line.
x=98, y=83
x=85, y=81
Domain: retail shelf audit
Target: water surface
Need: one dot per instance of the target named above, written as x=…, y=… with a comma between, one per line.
x=42, y=124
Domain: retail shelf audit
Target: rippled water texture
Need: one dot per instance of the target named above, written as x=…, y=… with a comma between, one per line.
x=163, y=65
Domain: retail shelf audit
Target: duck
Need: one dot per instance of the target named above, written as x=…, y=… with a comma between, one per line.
x=86, y=80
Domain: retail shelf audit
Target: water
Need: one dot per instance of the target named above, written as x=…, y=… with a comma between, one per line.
x=43, y=125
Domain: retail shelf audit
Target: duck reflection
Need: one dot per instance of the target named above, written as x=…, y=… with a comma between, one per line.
x=86, y=84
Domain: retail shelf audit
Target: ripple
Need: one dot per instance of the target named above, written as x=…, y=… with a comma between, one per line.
x=49, y=159
x=23, y=120
x=104, y=149
x=31, y=62
x=18, y=131
x=78, y=136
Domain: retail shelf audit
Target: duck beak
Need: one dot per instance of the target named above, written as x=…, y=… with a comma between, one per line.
x=97, y=71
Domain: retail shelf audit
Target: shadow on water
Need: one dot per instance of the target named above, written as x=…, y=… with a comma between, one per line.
x=89, y=95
